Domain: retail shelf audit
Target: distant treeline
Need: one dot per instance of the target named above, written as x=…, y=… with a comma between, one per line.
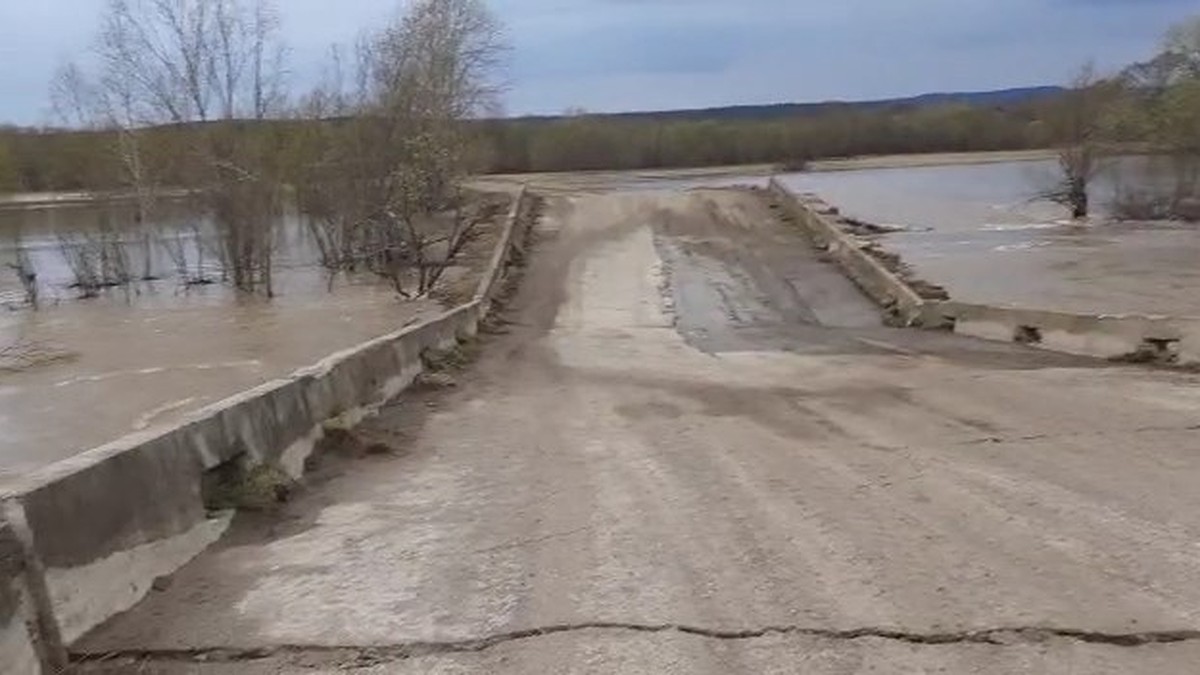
x=582, y=142
x=1151, y=103
x=34, y=160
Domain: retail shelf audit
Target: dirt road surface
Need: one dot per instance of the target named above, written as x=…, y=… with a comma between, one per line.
x=695, y=450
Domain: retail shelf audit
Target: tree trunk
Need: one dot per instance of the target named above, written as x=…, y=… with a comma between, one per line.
x=1079, y=199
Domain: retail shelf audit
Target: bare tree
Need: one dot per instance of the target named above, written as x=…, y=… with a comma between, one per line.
x=207, y=66
x=385, y=173
x=22, y=266
x=83, y=259
x=98, y=259
x=187, y=249
x=110, y=104
x=1076, y=122
x=72, y=97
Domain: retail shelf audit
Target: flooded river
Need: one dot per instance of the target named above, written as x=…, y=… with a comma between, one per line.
x=151, y=352
x=82, y=372
x=980, y=231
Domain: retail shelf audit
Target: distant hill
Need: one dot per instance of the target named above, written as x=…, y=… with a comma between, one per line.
x=998, y=98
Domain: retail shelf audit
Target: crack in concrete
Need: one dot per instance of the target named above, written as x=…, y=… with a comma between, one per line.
x=532, y=541
x=985, y=440
x=414, y=649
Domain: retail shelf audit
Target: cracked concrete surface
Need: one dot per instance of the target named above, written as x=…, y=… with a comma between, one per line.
x=356, y=658
x=695, y=450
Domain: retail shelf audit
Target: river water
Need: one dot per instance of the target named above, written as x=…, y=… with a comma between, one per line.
x=980, y=231
x=87, y=371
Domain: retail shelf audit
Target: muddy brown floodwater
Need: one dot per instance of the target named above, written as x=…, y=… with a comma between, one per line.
x=978, y=231
x=147, y=355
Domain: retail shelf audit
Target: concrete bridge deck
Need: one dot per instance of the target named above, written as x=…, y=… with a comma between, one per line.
x=695, y=450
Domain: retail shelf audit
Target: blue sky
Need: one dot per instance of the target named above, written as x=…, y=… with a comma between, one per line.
x=609, y=55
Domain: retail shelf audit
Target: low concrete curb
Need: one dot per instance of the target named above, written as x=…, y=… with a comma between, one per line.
x=1150, y=339
x=903, y=304
x=94, y=531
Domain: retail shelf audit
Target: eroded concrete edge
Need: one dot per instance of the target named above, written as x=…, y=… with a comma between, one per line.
x=94, y=531
x=383, y=654
x=494, y=272
x=1125, y=337
x=902, y=303
x=84, y=596
x=20, y=650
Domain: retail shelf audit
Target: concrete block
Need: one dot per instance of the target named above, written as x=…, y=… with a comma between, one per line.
x=84, y=596
x=205, y=434
x=319, y=396
x=105, y=524
x=113, y=498
x=19, y=653
x=1000, y=331
x=250, y=424
x=1095, y=342
x=470, y=325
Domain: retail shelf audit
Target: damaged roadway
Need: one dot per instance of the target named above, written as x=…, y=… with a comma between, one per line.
x=695, y=449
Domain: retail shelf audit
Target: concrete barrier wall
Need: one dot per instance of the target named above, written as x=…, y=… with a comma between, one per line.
x=872, y=276
x=493, y=275
x=103, y=525
x=1166, y=339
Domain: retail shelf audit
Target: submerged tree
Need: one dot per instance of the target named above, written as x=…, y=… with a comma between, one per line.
x=210, y=69
x=1077, y=122
x=395, y=156
x=22, y=265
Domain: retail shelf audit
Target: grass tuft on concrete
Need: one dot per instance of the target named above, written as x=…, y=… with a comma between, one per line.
x=262, y=487
x=453, y=359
